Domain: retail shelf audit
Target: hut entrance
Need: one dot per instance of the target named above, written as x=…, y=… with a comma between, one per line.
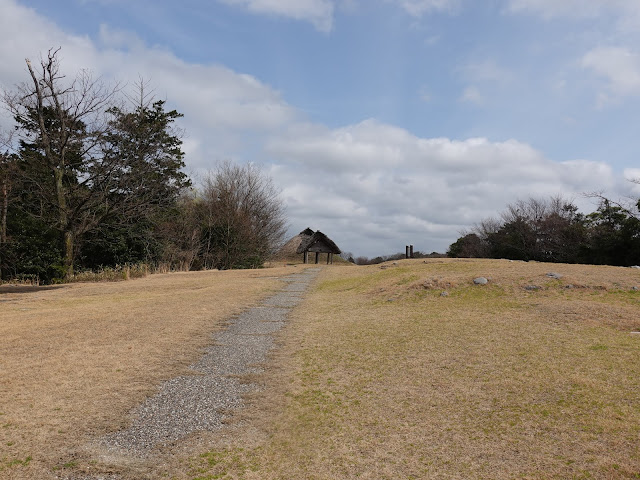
x=317, y=242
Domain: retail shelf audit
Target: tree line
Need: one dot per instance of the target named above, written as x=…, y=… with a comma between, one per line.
x=92, y=176
x=553, y=230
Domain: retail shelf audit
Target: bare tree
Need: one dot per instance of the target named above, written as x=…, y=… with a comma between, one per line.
x=61, y=122
x=629, y=205
x=244, y=216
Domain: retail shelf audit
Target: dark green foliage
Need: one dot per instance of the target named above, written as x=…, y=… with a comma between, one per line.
x=468, y=246
x=144, y=158
x=614, y=236
x=553, y=231
x=91, y=185
x=113, y=244
x=33, y=249
x=515, y=240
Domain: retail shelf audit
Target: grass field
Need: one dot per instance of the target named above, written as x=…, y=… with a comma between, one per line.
x=74, y=359
x=378, y=376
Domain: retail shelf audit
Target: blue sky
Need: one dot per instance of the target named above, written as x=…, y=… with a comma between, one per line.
x=384, y=122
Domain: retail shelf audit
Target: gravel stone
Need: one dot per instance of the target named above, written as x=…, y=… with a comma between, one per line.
x=283, y=299
x=202, y=401
x=480, y=281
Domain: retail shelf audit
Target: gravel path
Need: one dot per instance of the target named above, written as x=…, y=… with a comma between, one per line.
x=188, y=404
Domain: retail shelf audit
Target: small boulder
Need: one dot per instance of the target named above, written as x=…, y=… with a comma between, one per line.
x=532, y=287
x=555, y=275
x=635, y=289
x=635, y=266
x=480, y=281
x=569, y=286
x=444, y=294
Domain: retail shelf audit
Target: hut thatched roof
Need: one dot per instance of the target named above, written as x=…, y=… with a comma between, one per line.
x=318, y=242
x=290, y=249
x=307, y=240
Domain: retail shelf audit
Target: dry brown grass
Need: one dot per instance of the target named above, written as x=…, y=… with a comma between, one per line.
x=74, y=359
x=380, y=377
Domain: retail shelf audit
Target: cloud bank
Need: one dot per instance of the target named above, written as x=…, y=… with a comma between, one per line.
x=372, y=186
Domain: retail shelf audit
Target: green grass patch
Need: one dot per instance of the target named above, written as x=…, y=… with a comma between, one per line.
x=18, y=462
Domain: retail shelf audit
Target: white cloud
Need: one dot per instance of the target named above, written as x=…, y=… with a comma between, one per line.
x=221, y=107
x=416, y=189
x=370, y=185
x=424, y=95
x=626, y=12
x=472, y=94
x=486, y=71
x=318, y=12
x=632, y=177
x=321, y=12
x=418, y=8
x=619, y=66
x=632, y=173
x=571, y=8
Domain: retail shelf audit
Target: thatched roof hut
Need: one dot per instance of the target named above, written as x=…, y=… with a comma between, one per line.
x=309, y=241
x=289, y=250
x=316, y=242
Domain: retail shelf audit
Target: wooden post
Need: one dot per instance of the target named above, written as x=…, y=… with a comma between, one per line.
x=406, y=251
x=410, y=251
x=306, y=256
x=331, y=257
x=317, y=257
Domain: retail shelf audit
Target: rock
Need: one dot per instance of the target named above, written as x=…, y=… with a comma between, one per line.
x=532, y=287
x=480, y=281
x=557, y=276
x=635, y=266
x=444, y=294
x=635, y=289
x=568, y=286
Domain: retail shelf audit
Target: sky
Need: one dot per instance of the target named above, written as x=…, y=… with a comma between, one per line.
x=383, y=122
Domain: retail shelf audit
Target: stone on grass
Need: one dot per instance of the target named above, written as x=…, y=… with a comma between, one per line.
x=480, y=281
x=555, y=275
x=635, y=289
x=532, y=287
x=444, y=294
x=635, y=266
